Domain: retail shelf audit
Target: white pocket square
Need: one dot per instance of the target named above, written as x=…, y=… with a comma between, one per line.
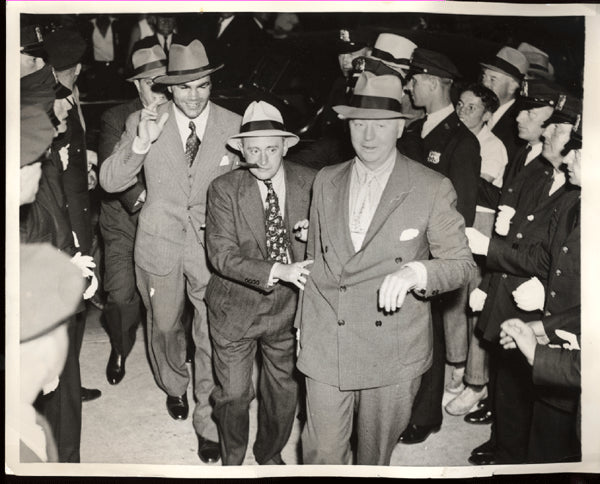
x=408, y=234
x=225, y=161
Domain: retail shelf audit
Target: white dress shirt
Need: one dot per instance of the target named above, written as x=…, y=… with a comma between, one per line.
x=183, y=123
x=435, y=118
x=493, y=155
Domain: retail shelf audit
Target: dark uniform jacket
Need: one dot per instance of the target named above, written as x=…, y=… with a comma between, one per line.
x=452, y=150
x=506, y=129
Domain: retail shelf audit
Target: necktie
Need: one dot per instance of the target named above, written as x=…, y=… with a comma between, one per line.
x=277, y=239
x=362, y=213
x=192, y=144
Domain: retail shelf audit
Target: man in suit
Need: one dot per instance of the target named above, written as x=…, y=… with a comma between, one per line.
x=442, y=142
x=365, y=325
x=181, y=146
x=248, y=211
x=119, y=213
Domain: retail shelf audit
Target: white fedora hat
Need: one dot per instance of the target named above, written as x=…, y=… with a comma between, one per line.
x=261, y=119
x=394, y=51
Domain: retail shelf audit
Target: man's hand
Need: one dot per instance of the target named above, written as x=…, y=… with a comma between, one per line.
x=477, y=300
x=295, y=273
x=85, y=263
x=150, y=126
x=505, y=215
x=394, y=287
x=92, y=288
x=515, y=333
x=530, y=295
x=92, y=179
x=478, y=243
x=301, y=229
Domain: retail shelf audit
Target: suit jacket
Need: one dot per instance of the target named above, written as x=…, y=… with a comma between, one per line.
x=176, y=193
x=452, y=150
x=506, y=129
x=236, y=246
x=345, y=339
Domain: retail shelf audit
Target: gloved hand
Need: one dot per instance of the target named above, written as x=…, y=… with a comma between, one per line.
x=301, y=229
x=63, y=154
x=477, y=300
x=478, y=243
x=85, y=263
x=570, y=338
x=503, y=218
x=530, y=295
x=92, y=288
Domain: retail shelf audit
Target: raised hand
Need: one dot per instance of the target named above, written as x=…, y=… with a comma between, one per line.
x=150, y=125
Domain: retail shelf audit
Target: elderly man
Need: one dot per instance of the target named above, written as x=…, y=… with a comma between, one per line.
x=119, y=214
x=181, y=146
x=365, y=327
x=250, y=218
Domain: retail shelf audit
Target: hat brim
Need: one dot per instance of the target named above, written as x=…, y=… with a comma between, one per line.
x=194, y=75
x=151, y=73
x=235, y=141
x=35, y=50
x=351, y=112
x=500, y=70
x=524, y=104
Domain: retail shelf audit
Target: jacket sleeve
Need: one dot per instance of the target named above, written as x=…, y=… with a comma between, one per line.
x=569, y=320
x=119, y=171
x=452, y=263
x=464, y=174
x=222, y=242
x=557, y=367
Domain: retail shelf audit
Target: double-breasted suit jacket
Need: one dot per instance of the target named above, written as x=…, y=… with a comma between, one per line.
x=345, y=339
x=176, y=195
x=238, y=293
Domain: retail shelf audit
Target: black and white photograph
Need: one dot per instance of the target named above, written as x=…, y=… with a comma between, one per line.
x=341, y=237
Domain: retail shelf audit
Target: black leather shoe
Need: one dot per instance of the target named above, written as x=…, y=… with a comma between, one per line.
x=482, y=459
x=208, y=450
x=115, y=369
x=178, y=407
x=415, y=434
x=276, y=460
x=88, y=394
x=482, y=416
x=485, y=448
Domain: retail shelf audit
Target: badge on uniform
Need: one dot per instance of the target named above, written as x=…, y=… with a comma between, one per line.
x=434, y=157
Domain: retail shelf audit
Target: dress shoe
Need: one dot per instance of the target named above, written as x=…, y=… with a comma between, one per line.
x=456, y=385
x=415, y=434
x=485, y=448
x=276, y=460
x=178, y=407
x=482, y=459
x=208, y=450
x=115, y=369
x=483, y=415
x=88, y=394
x=466, y=400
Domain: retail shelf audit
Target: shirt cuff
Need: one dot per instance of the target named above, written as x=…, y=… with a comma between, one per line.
x=421, y=272
x=272, y=280
x=137, y=148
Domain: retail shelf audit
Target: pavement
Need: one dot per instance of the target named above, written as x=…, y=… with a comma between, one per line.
x=129, y=423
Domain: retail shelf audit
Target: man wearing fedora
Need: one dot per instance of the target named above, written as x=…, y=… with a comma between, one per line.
x=364, y=317
x=181, y=145
x=119, y=214
x=251, y=215
x=443, y=143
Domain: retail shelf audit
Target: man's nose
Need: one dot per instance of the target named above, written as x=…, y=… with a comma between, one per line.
x=369, y=131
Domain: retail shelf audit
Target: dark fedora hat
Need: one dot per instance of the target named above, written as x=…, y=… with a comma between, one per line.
x=187, y=63
x=148, y=63
x=509, y=61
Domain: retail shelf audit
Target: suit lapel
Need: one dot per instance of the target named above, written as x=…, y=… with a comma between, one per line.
x=336, y=202
x=173, y=149
x=252, y=209
x=296, y=196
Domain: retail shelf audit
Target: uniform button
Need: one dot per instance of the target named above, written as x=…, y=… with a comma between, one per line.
x=78, y=150
x=510, y=190
x=378, y=323
x=397, y=260
x=342, y=288
x=326, y=248
x=341, y=322
x=552, y=293
x=565, y=249
x=558, y=272
x=184, y=229
x=519, y=235
x=504, y=276
x=530, y=217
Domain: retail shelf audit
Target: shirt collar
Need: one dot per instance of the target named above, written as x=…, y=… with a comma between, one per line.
x=183, y=122
x=381, y=174
x=436, y=118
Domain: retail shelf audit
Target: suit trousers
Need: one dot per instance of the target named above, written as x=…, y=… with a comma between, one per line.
x=382, y=414
x=62, y=407
x=164, y=299
x=427, y=407
x=123, y=304
x=277, y=388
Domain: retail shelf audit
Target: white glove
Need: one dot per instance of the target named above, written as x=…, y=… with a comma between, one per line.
x=50, y=386
x=301, y=229
x=570, y=338
x=505, y=215
x=92, y=158
x=91, y=290
x=478, y=243
x=477, y=300
x=530, y=295
x=85, y=264
x=63, y=153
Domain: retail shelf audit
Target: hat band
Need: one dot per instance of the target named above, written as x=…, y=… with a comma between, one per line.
x=386, y=56
x=375, y=102
x=150, y=66
x=507, y=67
x=261, y=125
x=539, y=100
x=538, y=66
x=189, y=71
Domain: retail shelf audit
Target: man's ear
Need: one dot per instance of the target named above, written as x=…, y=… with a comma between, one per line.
x=136, y=82
x=286, y=145
x=486, y=116
x=78, y=69
x=401, y=124
x=170, y=89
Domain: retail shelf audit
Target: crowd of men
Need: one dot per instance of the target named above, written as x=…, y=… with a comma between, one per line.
x=430, y=234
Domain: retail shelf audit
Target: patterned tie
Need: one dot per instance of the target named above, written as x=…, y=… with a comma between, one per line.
x=277, y=239
x=192, y=144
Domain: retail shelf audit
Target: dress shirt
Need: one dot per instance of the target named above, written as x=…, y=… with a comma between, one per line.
x=499, y=113
x=223, y=24
x=536, y=150
x=104, y=47
x=435, y=118
x=165, y=42
x=558, y=180
x=493, y=155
